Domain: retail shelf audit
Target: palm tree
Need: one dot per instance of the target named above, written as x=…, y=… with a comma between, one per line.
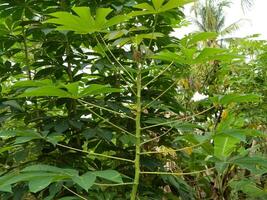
x=210, y=17
x=246, y=4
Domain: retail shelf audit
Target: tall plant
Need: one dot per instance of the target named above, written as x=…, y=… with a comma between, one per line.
x=96, y=105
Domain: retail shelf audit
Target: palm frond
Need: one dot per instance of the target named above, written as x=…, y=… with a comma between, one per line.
x=233, y=27
x=247, y=4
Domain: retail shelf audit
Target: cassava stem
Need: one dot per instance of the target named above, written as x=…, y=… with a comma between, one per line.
x=137, y=133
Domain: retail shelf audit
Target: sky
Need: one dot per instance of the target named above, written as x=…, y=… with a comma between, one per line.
x=255, y=19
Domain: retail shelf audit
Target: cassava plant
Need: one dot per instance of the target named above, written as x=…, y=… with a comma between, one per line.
x=96, y=104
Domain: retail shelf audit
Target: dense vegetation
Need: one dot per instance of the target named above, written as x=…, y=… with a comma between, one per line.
x=98, y=101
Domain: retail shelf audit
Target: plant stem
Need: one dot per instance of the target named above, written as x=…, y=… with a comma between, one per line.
x=104, y=108
x=161, y=94
x=96, y=154
x=137, y=133
x=110, y=123
x=113, y=185
x=178, y=120
x=76, y=194
x=177, y=174
x=26, y=53
x=174, y=150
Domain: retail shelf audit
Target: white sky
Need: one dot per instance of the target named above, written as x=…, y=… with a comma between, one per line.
x=255, y=23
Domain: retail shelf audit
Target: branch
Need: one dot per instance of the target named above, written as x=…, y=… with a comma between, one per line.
x=112, y=185
x=76, y=194
x=114, y=57
x=103, y=108
x=95, y=154
x=177, y=174
x=174, y=150
x=155, y=138
x=158, y=75
x=106, y=120
x=161, y=94
x=154, y=28
x=177, y=120
x=114, y=64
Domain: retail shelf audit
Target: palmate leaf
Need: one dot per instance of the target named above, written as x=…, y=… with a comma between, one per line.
x=38, y=184
x=84, y=22
x=86, y=181
x=225, y=140
x=22, y=136
x=224, y=145
x=72, y=90
x=8, y=180
x=40, y=176
x=197, y=37
x=158, y=7
x=256, y=164
x=239, y=98
x=249, y=187
x=170, y=56
x=51, y=91
x=194, y=56
x=110, y=175
x=137, y=39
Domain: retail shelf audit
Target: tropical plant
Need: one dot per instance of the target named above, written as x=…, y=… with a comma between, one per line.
x=96, y=104
x=210, y=17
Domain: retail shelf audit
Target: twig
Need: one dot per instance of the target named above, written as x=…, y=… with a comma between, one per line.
x=95, y=154
x=177, y=174
x=103, y=108
x=177, y=120
x=158, y=75
x=160, y=94
x=106, y=120
x=112, y=185
x=174, y=150
x=113, y=64
x=76, y=194
x=155, y=138
x=114, y=57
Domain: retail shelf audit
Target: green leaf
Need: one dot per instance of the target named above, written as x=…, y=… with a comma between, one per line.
x=39, y=184
x=54, y=138
x=140, y=37
x=144, y=6
x=158, y=7
x=13, y=104
x=256, y=164
x=22, y=136
x=239, y=98
x=249, y=187
x=209, y=54
x=84, y=23
x=52, y=169
x=224, y=145
x=45, y=91
x=171, y=4
x=73, y=88
x=9, y=179
x=96, y=89
x=32, y=83
x=157, y=4
x=101, y=14
x=110, y=175
x=170, y=56
x=196, y=37
x=6, y=188
x=85, y=181
x=112, y=35
x=70, y=198
x=20, y=140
